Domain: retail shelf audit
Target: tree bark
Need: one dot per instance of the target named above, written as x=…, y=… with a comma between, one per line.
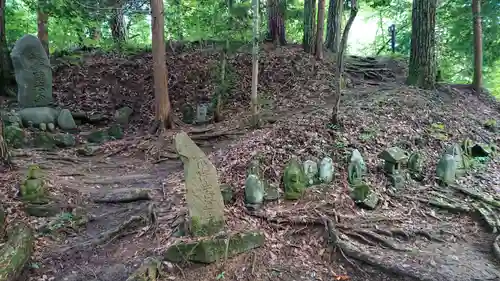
x=255, y=65
x=276, y=21
x=339, y=72
x=15, y=254
x=4, y=151
x=43, y=20
x=117, y=24
x=5, y=63
x=309, y=40
x=334, y=25
x=478, y=46
x=163, y=111
x=422, y=66
x=321, y=29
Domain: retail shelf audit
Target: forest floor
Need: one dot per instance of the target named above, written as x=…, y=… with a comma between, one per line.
x=416, y=241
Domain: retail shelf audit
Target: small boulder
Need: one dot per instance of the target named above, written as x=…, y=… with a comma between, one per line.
x=188, y=114
x=364, y=197
x=214, y=249
x=227, y=193
x=122, y=115
x=98, y=136
x=35, y=115
x=43, y=126
x=294, y=180
x=64, y=140
x=51, y=127
x=271, y=193
x=115, y=132
x=88, y=150
x=65, y=120
x=14, y=136
x=44, y=140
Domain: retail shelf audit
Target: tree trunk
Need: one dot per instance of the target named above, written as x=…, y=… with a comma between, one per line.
x=309, y=40
x=163, y=111
x=15, y=254
x=43, y=20
x=117, y=24
x=5, y=64
x=321, y=29
x=340, y=63
x=255, y=65
x=478, y=46
x=4, y=151
x=422, y=66
x=276, y=22
x=334, y=25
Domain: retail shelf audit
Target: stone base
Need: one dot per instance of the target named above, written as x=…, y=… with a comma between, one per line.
x=210, y=250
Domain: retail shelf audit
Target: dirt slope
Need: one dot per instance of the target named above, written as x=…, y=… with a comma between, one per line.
x=377, y=113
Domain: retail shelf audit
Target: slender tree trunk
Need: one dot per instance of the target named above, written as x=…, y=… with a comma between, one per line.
x=255, y=65
x=163, y=110
x=43, y=20
x=117, y=24
x=276, y=22
x=339, y=72
x=5, y=64
x=5, y=160
x=309, y=40
x=334, y=25
x=478, y=46
x=321, y=29
x=422, y=66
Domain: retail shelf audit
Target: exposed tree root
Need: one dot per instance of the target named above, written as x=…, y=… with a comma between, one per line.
x=488, y=199
x=122, y=195
x=16, y=252
x=381, y=240
x=120, y=179
x=128, y=227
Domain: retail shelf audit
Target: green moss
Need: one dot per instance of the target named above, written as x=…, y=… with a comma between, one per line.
x=16, y=252
x=212, y=250
x=212, y=226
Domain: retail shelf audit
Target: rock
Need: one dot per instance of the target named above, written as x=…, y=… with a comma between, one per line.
x=364, y=197
x=96, y=118
x=122, y=115
x=43, y=210
x=16, y=252
x=294, y=180
x=227, y=193
x=311, y=171
x=33, y=72
x=271, y=193
x=65, y=120
x=14, y=136
x=213, y=250
x=51, y=127
x=187, y=114
x=326, y=170
x=416, y=166
x=491, y=125
x=203, y=196
x=481, y=150
x=394, y=158
x=254, y=192
x=115, y=132
x=88, y=150
x=10, y=118
x=43, y=126
x=98, y=136
x=446, y=169
x=64, y=140
x=35, y=115
x=44, y=140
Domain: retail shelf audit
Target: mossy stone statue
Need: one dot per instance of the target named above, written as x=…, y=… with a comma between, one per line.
x=294, y=180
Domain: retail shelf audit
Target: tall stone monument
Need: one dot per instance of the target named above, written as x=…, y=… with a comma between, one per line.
x=33, y=72
x=203, y=196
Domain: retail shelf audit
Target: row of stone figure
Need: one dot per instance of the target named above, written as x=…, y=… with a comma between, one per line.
x=398, y=165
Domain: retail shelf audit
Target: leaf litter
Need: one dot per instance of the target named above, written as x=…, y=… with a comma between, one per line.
x=375, y=116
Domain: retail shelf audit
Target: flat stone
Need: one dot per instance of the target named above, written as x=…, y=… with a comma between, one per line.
x=393, y=155
x=213, y=250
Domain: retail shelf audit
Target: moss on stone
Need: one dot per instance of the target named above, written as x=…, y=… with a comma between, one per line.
x=212, y=250
x=199, y=228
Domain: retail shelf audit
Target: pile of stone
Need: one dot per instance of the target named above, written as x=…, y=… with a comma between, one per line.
x=48, y=126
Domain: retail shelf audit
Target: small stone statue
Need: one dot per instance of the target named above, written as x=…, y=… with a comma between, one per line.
x=326, y=170
x=254, y=192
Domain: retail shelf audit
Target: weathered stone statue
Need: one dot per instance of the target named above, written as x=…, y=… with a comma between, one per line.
x=294, y=180
x=32, y=71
